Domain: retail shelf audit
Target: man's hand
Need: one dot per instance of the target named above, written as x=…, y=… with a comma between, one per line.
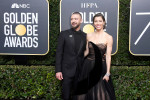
x=59, y=75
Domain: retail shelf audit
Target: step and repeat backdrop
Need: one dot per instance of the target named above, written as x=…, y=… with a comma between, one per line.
x=139, y=27
x=24, y=24
x=24, y=27
x=88, y=8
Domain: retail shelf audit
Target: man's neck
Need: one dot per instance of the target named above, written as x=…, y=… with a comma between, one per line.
x=77, y=29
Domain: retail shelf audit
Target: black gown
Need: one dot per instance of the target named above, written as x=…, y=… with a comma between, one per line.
x=89, y=81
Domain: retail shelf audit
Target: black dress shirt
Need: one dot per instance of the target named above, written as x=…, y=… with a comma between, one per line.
x=77, y=38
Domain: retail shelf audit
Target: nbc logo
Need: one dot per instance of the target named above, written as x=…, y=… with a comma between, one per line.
x=15, y=5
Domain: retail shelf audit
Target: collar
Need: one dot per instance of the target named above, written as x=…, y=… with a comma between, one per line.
x=75, y=30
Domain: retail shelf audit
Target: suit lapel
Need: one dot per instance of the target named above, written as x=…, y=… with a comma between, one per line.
x=81, y=45
x=72, y=40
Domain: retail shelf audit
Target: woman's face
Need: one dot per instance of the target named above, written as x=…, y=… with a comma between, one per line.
x=99, y=23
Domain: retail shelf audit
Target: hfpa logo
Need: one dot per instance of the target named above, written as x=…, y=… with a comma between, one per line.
x=15, y=5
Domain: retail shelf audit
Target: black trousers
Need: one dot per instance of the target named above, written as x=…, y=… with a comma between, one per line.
x=67, y=86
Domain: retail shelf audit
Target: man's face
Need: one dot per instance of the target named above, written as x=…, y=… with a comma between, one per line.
x=76, y=21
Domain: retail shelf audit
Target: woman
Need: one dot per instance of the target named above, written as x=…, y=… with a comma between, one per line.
x=94, y=80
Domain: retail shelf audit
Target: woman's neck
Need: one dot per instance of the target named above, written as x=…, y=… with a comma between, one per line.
x=99, y=31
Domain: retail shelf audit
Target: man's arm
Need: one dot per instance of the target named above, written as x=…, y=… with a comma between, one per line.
x=59, y=52
x=59, y=55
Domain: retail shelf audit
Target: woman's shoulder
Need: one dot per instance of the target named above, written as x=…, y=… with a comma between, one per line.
x=109, y=38
x=108, y=35
x=89, y=35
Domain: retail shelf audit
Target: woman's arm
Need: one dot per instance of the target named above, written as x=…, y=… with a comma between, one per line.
x=108, y=56
x=86, y=52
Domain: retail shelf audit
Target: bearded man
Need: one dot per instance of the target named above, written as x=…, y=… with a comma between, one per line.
x=70, y=54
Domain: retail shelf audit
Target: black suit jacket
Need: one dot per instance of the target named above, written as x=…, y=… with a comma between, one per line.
x=67, y=59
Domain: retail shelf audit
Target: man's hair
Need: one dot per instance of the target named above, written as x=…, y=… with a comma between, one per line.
x=77, y=13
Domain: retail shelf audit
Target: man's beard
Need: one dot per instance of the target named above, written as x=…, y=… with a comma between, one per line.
x=76, y=26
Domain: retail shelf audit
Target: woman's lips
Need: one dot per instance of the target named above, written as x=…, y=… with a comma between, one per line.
x=98, y=26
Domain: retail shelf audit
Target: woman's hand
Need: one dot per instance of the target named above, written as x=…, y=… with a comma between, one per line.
x=106, y=78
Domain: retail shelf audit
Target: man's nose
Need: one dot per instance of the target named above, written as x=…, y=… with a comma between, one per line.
x=73, y=20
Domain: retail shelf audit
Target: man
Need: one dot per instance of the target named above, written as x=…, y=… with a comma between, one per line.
x=70, y=54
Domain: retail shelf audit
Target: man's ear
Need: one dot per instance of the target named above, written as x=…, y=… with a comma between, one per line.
x=81, y=20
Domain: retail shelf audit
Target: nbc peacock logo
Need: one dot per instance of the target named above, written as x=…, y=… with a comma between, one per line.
x=15, y=5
